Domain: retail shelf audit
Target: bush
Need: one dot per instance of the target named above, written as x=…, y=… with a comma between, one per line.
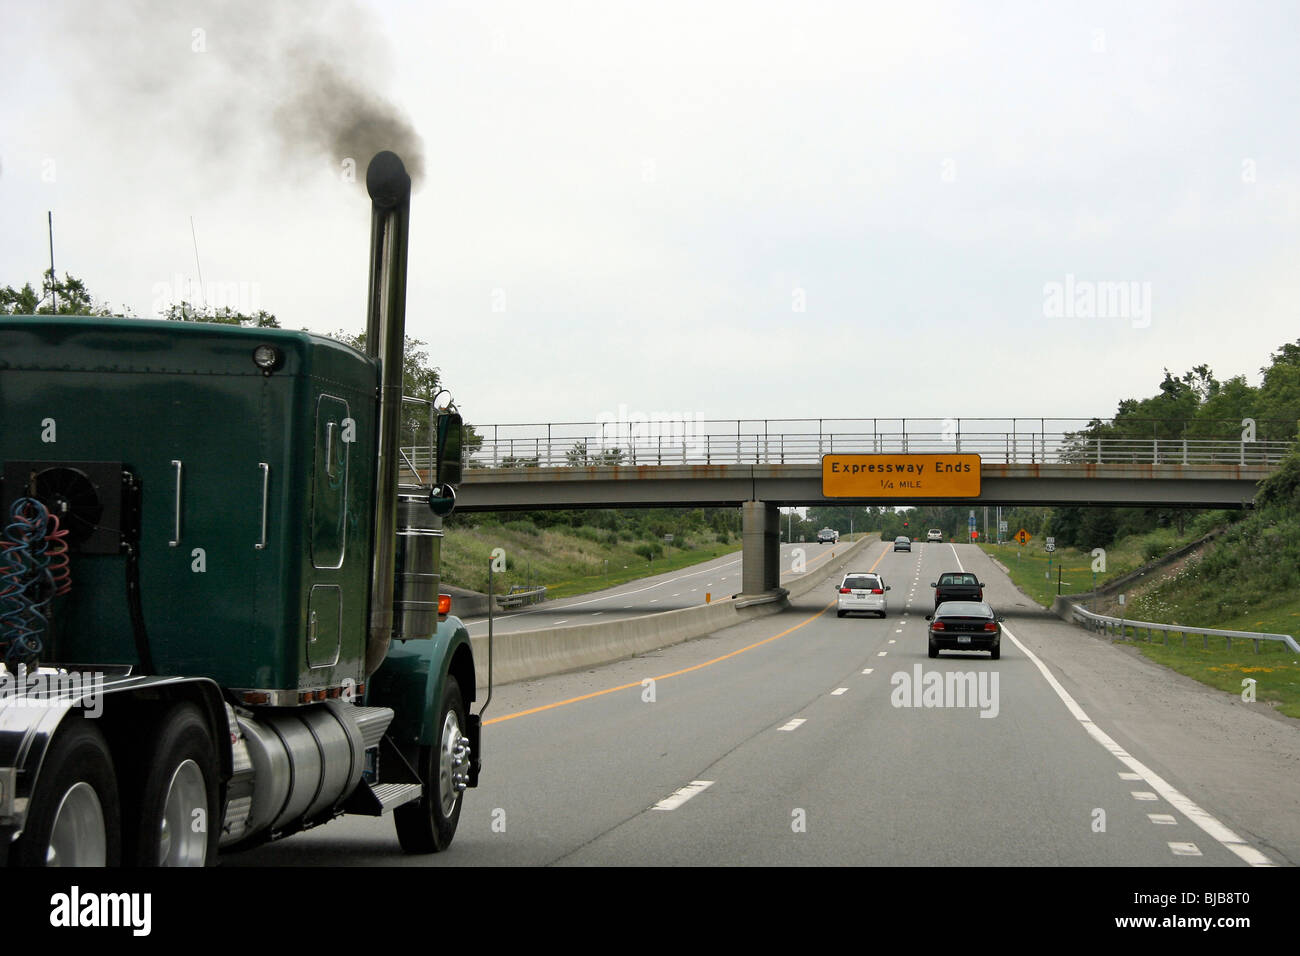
x=522, y=527
x=649, y=551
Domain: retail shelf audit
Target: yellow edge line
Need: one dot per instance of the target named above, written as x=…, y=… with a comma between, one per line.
x=684, y=670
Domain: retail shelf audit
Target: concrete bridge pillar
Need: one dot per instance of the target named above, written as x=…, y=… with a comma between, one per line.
x=761, y=549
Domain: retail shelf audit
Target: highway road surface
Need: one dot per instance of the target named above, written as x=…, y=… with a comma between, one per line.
x=797, y=739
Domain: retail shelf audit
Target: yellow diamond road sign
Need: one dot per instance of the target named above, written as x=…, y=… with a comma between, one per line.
x=1023, y=536
x=901, y=476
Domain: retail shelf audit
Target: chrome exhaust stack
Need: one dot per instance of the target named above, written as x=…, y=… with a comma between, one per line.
x=389, y=186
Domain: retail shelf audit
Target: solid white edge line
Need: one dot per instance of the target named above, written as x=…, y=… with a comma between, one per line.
x=680, y=796
x=1182, y=804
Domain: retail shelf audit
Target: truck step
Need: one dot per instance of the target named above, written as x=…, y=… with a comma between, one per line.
x=376, y=800
x=372, y=722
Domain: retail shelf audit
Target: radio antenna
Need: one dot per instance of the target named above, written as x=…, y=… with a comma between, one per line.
x=54, y=276
x=195, y=237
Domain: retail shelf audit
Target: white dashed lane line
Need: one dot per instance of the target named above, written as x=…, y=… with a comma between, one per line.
x=676, y=799
x=1164, y=819
x=868, y=670
x=1184, y=805
x=838, y=691
x=1185, y=849
x=794, y=724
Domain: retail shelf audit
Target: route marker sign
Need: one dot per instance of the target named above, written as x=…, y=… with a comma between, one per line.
x=1051, y=545
x=901, y=476
x=1023, y=536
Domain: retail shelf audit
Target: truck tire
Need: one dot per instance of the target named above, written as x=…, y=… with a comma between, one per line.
x=429, y=824
x=171, y=794
x=75, y=818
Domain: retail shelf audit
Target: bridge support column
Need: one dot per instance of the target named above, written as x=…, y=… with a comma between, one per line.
x=760, y=557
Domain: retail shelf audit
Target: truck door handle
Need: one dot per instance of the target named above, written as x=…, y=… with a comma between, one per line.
x=266, y=493
x=176, y=533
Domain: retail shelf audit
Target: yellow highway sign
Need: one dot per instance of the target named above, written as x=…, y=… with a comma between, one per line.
x=1023, y=536
x=901, y=476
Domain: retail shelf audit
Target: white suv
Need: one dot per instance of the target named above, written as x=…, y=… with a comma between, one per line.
x=862, y=591
x=934, y=534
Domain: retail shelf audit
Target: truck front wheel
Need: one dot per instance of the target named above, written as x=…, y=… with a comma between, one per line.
x=74, y=816
x=429, y=824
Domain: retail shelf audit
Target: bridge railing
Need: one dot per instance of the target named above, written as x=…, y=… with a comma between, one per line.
x=1011, y=441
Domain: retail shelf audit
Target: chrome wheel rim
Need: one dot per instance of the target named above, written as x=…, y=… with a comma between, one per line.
x=453, y=760
x=78, y=837
x=183, y=837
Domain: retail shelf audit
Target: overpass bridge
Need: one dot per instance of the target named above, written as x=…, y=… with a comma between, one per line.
x=762, y=465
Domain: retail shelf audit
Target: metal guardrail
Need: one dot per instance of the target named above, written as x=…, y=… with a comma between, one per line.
x=684, y=441
x=521, y=594
x=1101, y=622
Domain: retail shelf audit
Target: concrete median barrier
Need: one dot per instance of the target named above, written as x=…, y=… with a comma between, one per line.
x=526, y=655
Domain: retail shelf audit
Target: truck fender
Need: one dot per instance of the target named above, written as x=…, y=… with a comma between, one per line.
x=411, y=678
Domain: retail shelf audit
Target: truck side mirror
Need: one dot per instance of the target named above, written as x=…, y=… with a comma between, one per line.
x=450, y=430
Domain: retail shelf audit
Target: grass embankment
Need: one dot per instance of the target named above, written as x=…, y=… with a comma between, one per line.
x=1036, y=572
x=1246, y=580
x=567, y=561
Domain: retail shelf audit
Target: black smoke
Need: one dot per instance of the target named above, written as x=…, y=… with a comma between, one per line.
x=249, y=85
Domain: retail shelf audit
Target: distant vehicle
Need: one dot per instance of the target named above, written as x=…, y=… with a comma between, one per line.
x=827, y=536
x=934, y=534
x=902, y=543
x=957, y=586
x=965, y=626
x=862, y=591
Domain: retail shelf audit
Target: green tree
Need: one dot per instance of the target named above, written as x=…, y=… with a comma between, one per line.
x=72, y=296
x=185, y=312
x=1279, y=396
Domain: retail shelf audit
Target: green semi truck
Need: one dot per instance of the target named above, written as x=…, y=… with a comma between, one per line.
x=219, y=612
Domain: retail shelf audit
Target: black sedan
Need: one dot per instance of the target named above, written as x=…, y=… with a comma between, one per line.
x=965, y=626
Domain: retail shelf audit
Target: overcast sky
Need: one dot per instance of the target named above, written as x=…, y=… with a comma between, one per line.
x=737, y=209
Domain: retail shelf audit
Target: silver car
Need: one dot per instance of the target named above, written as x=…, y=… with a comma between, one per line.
x=862, y=591
x=902, y=543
